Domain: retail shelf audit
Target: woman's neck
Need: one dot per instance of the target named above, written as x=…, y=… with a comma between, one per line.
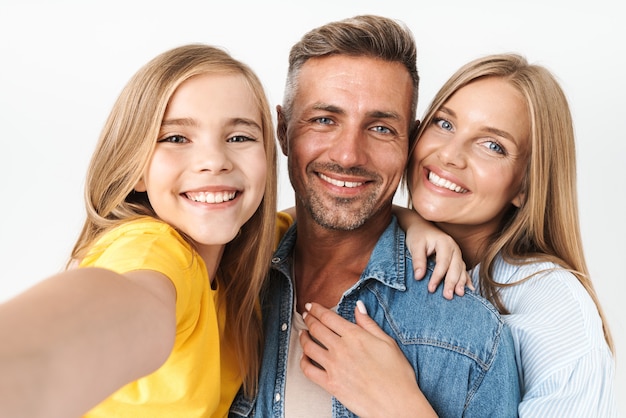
x=471, y=239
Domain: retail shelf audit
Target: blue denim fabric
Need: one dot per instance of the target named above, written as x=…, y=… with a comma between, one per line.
x=461, y=351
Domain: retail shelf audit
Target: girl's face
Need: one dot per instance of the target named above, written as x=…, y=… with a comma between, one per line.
x=469, y=163
x=207, y=175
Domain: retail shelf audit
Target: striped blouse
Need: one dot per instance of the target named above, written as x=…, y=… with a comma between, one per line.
x=565, y=366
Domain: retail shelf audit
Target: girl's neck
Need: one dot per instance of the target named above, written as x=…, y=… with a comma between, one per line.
x=212, y=256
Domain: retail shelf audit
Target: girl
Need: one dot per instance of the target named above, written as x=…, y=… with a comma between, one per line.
x=161, y=318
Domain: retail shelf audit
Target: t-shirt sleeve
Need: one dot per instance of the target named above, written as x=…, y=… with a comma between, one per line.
x=156, y=247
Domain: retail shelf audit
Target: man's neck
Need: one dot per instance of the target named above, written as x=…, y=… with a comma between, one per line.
x=328, y=262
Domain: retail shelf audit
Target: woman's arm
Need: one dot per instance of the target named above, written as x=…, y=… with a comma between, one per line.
x=74, y=338
x=425, y=239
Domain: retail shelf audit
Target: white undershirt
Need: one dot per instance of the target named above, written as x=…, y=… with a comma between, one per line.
x=303, y=398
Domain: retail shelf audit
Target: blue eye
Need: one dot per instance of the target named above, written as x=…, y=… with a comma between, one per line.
x=443, y=124
x=382, y=129
x=494, y=146
x=324, y=121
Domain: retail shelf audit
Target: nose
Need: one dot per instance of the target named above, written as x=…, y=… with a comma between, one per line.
x=349, y=149
x=452, y=153
x=213, y=156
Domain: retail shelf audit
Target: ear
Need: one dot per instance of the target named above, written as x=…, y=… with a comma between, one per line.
x=140, y=186
x=519, y=200
x=281, y=130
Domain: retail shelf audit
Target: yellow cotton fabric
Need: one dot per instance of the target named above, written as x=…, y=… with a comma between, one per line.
x=201, y=376
x=283, y=222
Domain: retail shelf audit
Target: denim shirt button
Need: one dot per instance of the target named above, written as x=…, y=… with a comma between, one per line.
x=275, y=260
x=277, y=397
x=283, y=327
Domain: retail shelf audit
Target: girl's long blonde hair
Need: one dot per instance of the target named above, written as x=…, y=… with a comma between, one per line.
x=546, y=227
x=122, y=154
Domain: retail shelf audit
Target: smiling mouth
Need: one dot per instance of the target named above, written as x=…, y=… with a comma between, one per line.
x=339, y=183
x=210, y=197
x=445, y=184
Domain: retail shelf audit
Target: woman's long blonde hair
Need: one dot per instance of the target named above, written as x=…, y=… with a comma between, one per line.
x=546, y=226
x=123, y=152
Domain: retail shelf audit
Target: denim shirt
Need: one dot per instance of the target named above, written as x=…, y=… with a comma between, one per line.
x=460, y=349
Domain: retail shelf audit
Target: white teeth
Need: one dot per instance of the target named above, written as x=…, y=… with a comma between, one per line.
x=340, y=183
x=211, y=197
x=438, y=181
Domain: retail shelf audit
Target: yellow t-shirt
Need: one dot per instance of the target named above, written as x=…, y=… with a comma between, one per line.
x=201, y=377
x=283, y=222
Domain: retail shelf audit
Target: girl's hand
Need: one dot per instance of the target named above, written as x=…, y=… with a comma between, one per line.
x=423, y=240
x=359, y=364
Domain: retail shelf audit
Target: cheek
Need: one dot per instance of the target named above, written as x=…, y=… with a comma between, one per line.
x=256, y=169
x=500, y=184
x=425, y=146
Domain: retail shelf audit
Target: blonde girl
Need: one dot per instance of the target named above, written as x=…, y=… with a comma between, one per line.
x=161, y=316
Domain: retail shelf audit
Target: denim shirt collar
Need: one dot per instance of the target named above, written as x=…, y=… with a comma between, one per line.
x=387, y=263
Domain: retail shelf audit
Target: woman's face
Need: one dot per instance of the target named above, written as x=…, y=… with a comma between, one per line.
x=469, y=163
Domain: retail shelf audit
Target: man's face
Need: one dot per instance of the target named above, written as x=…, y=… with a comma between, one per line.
x=347, y=139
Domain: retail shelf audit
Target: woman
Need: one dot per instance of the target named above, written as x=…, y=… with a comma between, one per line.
x=494, y=167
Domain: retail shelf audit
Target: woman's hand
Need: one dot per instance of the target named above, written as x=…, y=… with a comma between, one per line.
x=360, y=365
x=423, y=240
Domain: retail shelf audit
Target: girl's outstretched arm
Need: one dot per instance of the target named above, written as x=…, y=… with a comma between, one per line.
x=73, y=339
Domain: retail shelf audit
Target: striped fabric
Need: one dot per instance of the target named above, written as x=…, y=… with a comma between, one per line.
x=565, y=366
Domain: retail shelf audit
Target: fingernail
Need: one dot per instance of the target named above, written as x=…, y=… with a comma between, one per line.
x=304, y=314
x=361, y=307
x=307, y=306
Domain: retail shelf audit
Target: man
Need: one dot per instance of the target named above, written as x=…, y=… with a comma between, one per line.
x=345, y=126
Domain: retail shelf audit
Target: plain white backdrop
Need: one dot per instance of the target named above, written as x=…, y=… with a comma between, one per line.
x=63, y=63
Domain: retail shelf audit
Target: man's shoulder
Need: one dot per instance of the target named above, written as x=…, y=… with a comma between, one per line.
x=473, y=305
x=464, y=319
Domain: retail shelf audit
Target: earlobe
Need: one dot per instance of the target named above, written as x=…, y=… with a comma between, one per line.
x=518, y=200
x=281, y=130
x=140, y=186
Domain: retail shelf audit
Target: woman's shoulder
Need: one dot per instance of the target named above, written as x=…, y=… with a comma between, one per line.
x=542, y=296
x=538, y=275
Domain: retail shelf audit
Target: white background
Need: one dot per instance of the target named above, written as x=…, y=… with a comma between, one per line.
x=63, y=63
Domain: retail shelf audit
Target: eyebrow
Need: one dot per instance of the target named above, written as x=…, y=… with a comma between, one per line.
x=495, y=131
x=193, y=122
x=377, y=114
x=178, y=122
